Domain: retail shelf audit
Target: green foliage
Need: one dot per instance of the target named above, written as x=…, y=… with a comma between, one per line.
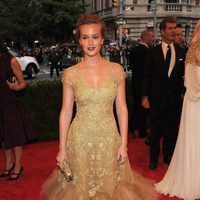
x=45, y=20
x=42, y=102
x=13, y=16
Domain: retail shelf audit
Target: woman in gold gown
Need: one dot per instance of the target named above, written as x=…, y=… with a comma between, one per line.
x=97, y=153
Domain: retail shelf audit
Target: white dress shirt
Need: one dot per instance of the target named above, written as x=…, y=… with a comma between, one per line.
x=173, y=55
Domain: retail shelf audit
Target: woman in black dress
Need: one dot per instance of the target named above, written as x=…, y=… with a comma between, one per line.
x=15, y=129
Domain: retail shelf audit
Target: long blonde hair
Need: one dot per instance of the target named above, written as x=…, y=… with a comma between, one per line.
x=195, y=42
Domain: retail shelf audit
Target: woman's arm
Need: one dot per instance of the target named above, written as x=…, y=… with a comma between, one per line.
x=18, y=81
x=65, y=120
x=122, y=115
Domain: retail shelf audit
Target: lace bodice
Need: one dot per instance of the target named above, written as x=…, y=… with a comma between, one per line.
x=91, y=101
x=93, y=134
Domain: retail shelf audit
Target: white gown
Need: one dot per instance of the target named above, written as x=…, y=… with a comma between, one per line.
x=182, y=178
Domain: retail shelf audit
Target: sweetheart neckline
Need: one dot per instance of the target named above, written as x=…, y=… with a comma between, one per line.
x=100, y=87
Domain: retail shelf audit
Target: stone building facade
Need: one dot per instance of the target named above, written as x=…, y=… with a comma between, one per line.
x=138, y=15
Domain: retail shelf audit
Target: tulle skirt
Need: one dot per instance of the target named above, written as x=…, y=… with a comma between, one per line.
x=182, y=178
x=131, y=186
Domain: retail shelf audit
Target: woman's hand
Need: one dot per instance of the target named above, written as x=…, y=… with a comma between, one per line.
x=13, y=85
x=122, y=155
x=145, y=102
x=61, y=156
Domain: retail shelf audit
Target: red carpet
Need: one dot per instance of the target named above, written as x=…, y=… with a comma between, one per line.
x=39, y=161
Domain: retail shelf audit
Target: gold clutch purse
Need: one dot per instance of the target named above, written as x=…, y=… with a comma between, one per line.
x=67, y=171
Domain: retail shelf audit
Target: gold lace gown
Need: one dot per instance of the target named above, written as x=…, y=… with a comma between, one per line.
x=92, y=146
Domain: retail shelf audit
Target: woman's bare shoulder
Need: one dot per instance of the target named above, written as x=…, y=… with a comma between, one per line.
x=70, y=71
x=116, y=67
x=14, y=60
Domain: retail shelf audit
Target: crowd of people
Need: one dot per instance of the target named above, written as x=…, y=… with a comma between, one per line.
x=92, y=161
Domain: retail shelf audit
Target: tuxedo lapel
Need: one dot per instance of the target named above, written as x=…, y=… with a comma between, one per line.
x=159, y=55
x=177, y=57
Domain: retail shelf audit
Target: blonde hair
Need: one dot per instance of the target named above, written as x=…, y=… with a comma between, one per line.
x=195, y=42
x=196, y=35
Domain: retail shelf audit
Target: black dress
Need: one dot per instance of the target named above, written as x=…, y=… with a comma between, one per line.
x=15, y=128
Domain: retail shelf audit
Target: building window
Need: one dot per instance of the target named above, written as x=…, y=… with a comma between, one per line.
x=172, y=1
x=134, y=1
x=173, y=5
x=106, y=4
x=197, y=2
x=189, y=6
x=95, y=5
x=151, y=5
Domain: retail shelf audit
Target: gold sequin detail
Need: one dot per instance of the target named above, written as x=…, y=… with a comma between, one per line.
x=93, y=138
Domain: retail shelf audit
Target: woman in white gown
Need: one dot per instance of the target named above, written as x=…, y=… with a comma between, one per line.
x=182, y=178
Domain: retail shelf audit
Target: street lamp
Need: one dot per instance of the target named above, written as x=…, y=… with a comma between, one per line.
x=119, y=4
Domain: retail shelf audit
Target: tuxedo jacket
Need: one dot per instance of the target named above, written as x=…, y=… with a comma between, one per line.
x=137, y=56
x=162, y=90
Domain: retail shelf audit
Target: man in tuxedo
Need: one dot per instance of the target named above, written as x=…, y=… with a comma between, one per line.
x=162, y=91
x=179, y=38
x=137, y=55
